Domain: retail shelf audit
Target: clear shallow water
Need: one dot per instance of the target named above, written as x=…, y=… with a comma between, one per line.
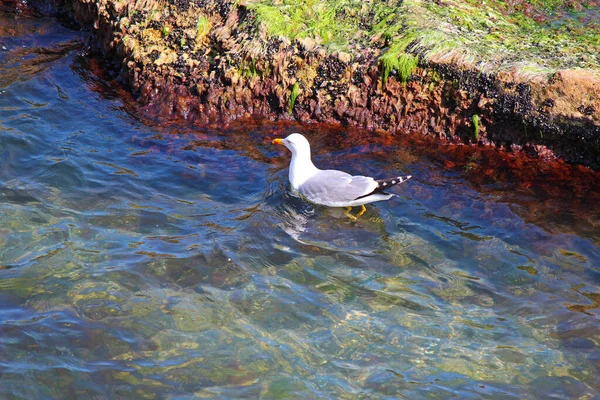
x=141, y=261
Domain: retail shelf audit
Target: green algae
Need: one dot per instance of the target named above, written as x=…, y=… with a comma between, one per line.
x=293, y=96
x=475, y=119
x=322, y=20
x=407, y=63
x=486, y=36
x=203, y=27
x=492, y=34
x=396, y=58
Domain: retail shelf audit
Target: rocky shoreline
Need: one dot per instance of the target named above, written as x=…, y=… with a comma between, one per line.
x=204, y=61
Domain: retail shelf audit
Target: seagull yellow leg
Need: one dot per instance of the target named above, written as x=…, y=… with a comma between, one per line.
x=362, y=211
x=352, y=217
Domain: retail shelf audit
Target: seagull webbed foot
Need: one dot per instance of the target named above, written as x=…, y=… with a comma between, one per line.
x=362, y=211
x=352, y=217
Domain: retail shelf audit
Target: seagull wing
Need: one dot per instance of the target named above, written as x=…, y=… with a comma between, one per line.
x=335, y=188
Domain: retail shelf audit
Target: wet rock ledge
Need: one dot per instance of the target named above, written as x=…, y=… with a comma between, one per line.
x=518, y=75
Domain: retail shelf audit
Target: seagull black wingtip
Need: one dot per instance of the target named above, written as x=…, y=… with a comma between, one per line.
x=384, y=184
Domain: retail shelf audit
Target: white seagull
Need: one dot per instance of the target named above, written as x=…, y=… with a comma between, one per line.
x=331, y=187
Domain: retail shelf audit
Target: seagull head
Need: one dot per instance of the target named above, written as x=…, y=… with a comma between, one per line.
x=297, y=144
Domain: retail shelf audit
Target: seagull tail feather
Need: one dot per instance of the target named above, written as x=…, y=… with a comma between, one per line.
x=384, y=184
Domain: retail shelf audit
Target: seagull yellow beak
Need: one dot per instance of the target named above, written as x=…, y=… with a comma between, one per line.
x=277, y=141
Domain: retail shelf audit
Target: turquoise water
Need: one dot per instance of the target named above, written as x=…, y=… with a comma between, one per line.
x=139, y=260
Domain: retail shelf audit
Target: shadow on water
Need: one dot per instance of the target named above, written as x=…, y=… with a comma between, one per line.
x=150, y=259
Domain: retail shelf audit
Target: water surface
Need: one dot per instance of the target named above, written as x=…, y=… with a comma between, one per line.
x=139, y=260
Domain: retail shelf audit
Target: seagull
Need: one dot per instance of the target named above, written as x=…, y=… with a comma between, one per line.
x=331, y=187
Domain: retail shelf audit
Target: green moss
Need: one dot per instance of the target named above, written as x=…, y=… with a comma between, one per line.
x=293, y=96
x=475, y=119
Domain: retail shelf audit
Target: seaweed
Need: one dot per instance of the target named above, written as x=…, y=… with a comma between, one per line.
x=293, y=96
x=476, y=120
